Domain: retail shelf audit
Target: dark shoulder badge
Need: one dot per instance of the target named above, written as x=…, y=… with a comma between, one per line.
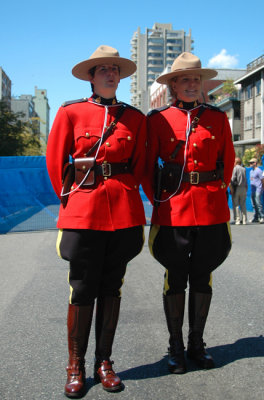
x=129, y=106
x=213, y=108
x=68, y=103
x=156, y=110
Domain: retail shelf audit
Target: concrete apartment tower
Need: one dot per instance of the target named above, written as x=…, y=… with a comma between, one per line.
x=42, y=108
x=153, y=51
x=5, y=87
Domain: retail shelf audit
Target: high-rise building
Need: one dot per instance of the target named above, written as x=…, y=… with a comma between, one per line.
x=42, y=108
x=24, y=104
x=5, y=87
x=153, y=51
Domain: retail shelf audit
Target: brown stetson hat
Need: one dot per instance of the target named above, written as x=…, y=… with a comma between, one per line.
x=104, y=55
x=187, y=64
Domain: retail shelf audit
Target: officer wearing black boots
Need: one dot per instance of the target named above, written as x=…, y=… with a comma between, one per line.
x=190, y=158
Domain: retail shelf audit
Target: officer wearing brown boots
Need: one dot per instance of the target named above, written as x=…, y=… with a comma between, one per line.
x=190, y=159
x=101, y=217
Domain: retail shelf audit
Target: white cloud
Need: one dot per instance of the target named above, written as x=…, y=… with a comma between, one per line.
x=223, y=60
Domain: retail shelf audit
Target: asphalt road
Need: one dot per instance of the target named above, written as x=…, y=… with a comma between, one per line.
x=34, y=293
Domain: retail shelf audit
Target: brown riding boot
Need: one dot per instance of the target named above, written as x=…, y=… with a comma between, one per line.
x=199, y=304
x=107, y=314
x=79, y=325
x=174, y=312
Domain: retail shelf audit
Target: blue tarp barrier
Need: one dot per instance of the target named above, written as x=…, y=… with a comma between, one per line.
x=27, y=199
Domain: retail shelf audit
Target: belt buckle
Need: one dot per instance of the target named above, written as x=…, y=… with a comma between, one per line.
x=106, y=169
x=194, y=178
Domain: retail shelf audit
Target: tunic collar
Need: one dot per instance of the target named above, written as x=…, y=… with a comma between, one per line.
x=186, y=106
x=101, y=100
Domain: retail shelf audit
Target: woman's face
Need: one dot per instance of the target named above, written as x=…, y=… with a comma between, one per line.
x=187, y=87
x=106, y=79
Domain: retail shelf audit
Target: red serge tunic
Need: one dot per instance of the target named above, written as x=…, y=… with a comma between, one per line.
x=211, y=141
x=114, y=202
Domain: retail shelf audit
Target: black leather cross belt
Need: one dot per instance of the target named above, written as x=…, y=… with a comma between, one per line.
x=110, y=169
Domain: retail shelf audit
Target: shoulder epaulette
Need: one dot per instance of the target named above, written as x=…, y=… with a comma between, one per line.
x=132, y=107
x=68, y=103
x=156, y=110
x=214, y=108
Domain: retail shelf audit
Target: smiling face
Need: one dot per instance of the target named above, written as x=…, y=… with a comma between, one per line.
x=187, y=88
x=105, y=80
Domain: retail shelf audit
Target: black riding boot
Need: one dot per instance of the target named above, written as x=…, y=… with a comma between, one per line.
x=107, y=314
x=174, y=311
x=199, y=304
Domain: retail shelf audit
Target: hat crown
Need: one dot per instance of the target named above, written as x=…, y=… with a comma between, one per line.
x=186, y=61
x=104, y=51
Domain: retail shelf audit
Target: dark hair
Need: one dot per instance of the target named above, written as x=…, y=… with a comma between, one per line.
x=92, y=72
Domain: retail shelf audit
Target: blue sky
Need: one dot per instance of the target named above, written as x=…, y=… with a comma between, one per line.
x=42, y=41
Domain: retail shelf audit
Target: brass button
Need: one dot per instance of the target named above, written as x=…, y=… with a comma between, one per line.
x=164, y=190
x=87, y=134
x=129, y=138
x=105, y=178
x=135, y=186
x=213, y=137
x=108, y=144
x=83, y=167
x=105, y=162
x=172, y=139
x=195, y=161
x=194, y=145
x=72, y=187
x=193, y=130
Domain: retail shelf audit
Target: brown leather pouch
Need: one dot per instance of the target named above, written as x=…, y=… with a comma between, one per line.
x=67, y=181
x=84, y=169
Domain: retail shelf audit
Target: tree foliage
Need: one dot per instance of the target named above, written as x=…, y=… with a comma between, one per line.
x=254, y=152
x=17, y=138
x=229, y=87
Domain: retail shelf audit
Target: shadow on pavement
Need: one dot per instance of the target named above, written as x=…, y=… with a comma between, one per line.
x=225, y=354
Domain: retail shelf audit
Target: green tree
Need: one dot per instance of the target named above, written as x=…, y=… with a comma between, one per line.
x=17, y=138
x=254, y=152
x=229, y=87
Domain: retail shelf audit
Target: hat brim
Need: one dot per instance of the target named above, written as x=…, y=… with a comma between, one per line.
x=204, y=72
x=81, y=70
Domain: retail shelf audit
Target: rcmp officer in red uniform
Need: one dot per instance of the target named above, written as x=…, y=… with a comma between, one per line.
x=101, y=223
x=190, y=234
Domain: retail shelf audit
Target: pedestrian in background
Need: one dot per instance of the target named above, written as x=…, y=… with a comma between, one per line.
x=238, y=189
x=102, y=215
x=256, y=186
x=189, y=235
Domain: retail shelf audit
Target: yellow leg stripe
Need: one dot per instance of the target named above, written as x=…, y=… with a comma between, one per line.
x=152, y=235
x=143, y=233
x=166, y=282
x=58, y=242
x=229, y=231
x=211, y=280
x=71, y=289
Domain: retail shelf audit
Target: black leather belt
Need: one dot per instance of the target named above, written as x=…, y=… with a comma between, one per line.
x=107, y=169
x=196, y=177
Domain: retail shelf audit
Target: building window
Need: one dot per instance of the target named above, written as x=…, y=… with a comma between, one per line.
x=258, y=119
x=248, y=122
x=248, y=92
x=258, y=87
